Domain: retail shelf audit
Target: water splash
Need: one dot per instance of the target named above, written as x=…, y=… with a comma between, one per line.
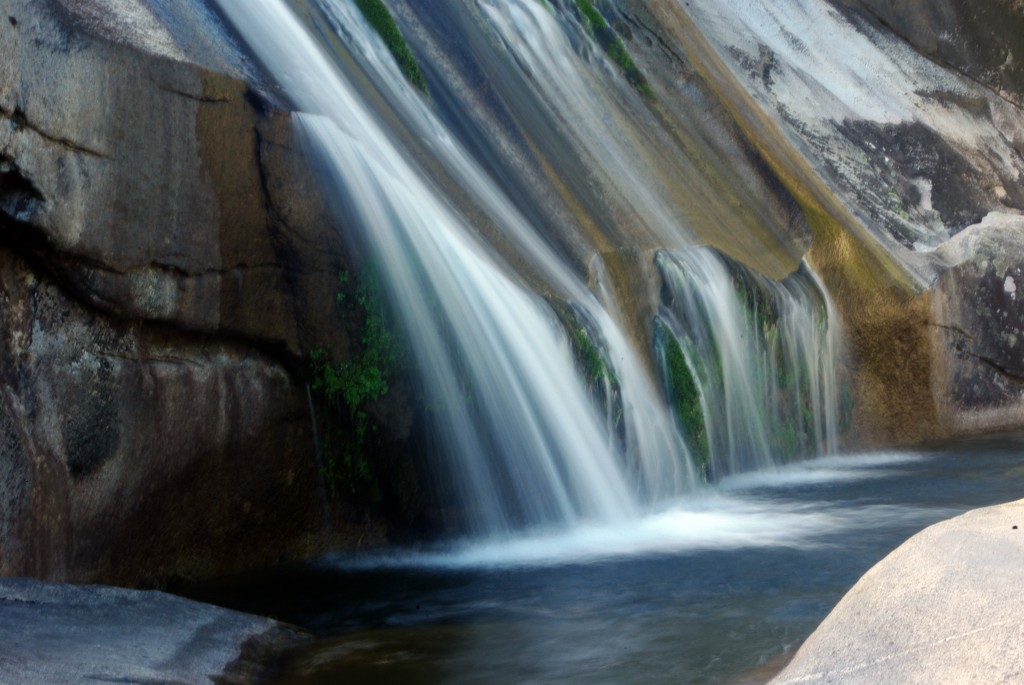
x=748, y=511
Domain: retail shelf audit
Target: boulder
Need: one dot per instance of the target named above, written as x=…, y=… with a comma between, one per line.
x=153, y=187
x=944, y=607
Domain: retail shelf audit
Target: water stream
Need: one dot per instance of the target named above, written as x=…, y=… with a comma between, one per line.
x=764, y=357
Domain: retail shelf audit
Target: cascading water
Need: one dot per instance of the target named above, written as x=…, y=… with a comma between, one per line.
x=527, y=443
x=597, y=122
x=529, y=447
x=635, y=415
x=753, y=363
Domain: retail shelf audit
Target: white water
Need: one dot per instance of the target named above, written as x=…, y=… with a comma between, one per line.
x=614, y=142
x=653, y=453
x=764, y=355
x=526, y=445
x=749, y=511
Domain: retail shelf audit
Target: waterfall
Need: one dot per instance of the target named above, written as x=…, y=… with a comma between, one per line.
x=754, y=362
x=531, y=436
x=615, y=142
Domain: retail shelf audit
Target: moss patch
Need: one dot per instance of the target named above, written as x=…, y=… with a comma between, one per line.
x=589, y=360
x=684, y=396
x=378, y=16
x=614, y=47
x=350, y=433
x=593, y=363
x=595, y=371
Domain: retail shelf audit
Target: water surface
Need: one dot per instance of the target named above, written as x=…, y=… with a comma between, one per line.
x=701, y=592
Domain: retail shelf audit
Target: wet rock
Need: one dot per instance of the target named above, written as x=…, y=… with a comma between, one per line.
x=134, y=453
x=912, y=146
x=912, y=176
x=985, y=42
x=66, y=634
x=145, y=180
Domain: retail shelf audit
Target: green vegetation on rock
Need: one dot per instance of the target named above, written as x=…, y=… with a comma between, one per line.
x=365, y=376
x=596, y=19
x=593, y=363
x=684, y=396
x=588, y=357
x=350, y=387
x=614, y=47
x=378, y=16
x=593, y=368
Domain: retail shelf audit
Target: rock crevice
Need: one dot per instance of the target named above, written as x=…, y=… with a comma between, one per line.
x=19, y=121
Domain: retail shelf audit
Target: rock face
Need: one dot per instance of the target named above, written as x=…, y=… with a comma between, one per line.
x=895, y=130
x=63, y=634
x=166, y=265
x=916, y=150
x=978, y=326
x=944, y=607
x=984, y=42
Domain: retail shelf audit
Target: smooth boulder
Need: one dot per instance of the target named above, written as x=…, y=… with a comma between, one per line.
x=945, y=607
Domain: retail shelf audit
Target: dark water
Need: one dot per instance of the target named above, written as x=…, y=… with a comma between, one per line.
x=699, y=594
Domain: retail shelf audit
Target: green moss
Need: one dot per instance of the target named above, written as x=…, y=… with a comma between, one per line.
x=596, y=19
x=365, y=376
x=783, y=374
x=684, y=396
x=589, y=359
x=595, y=371
x=348, y=388
x=378, y=16
x=788, y=441
x=760, y=307
x=614, y=47
x=593, y=363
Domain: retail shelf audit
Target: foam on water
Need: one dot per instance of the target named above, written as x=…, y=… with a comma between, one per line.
x=739, y=514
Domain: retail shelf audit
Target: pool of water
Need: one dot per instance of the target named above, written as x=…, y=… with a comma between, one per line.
x=709, y=590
